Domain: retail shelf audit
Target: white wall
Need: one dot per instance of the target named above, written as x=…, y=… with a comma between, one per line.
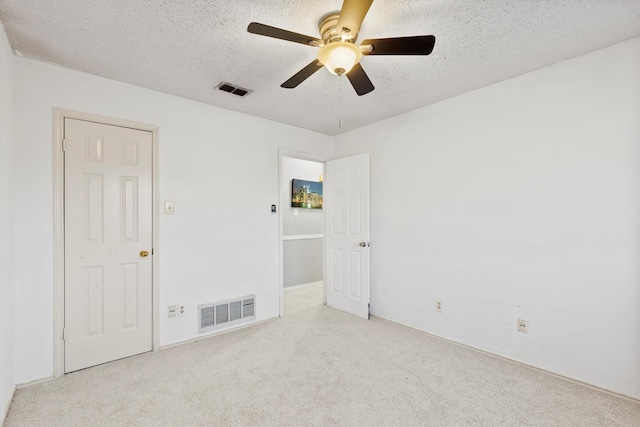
x=517, y=200
x=218, y=166
x=302, y=259
x=6, y=227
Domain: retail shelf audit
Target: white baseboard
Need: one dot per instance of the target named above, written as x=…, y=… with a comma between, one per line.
x=215, y=333
x=3, y=416
x=33, y=382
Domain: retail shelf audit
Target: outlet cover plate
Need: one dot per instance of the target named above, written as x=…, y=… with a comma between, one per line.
x=522, y=326
x=172, y=310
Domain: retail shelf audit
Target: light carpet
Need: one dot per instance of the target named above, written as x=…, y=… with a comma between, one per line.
x=317, y=366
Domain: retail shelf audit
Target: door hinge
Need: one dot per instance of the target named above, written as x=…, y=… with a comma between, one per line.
x=64, y=145
x=152, y=251
x=64, y=334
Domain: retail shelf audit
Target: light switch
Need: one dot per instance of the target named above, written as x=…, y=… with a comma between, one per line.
x=168, y=208
x=295, y=212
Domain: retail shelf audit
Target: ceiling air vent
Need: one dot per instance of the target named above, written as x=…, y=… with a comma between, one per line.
x=236, y=90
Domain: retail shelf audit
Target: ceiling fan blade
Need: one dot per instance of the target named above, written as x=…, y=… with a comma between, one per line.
x=416, y=45
x=279, y=33
x=352, y=15
x=359, y=80
x=302, y=75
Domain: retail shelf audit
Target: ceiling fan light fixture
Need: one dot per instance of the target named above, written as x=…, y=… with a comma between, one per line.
x=338, y=51
x=339, y=57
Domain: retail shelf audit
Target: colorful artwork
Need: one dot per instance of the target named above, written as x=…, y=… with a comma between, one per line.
x=306, y=194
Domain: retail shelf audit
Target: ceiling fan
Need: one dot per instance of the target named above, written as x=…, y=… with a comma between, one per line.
x=338, y=50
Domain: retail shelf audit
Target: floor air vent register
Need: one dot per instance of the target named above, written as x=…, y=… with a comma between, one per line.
x=226, y=313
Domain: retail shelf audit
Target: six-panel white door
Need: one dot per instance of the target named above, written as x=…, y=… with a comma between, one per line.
x=346, y=202
x=108, y=243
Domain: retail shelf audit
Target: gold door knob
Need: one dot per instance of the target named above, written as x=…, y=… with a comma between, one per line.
x=144, y=253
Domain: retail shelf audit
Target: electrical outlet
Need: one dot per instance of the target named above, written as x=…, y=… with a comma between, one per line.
x=172, y=309
x=439, y=305
x=522, y=326
x=181, y=310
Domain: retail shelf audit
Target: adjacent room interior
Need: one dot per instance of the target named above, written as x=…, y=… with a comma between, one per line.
x=302, y=225
x=504, y=208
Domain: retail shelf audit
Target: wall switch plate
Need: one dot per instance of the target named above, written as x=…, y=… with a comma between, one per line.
x=522, y=326
x=439, y=305
x=180, y=309
x=295, y=212
x=168, y=208
x=172, y=310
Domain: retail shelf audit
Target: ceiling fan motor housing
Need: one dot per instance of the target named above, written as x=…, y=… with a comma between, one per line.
x=329, y=31
x=339, y=53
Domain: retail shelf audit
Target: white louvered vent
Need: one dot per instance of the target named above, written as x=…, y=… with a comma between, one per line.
x=227, y=313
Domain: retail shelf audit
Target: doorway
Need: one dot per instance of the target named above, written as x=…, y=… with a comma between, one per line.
x=301, y=224
x=105, y=193
x=344, y=224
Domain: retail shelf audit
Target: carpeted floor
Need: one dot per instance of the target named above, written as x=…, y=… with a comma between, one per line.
x=317, y=366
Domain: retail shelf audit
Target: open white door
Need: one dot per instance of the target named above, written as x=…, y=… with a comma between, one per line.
x=346, y=200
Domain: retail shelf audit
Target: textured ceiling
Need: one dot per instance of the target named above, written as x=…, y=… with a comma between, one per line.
x=186, y=47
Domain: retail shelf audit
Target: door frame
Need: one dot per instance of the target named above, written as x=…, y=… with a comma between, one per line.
x=59, y=115
x=283, y=152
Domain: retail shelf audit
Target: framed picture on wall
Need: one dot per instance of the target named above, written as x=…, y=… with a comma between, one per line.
x=306, y=194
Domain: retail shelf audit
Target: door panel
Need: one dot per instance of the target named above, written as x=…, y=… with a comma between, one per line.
x=108, y=222
x=347, y=234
